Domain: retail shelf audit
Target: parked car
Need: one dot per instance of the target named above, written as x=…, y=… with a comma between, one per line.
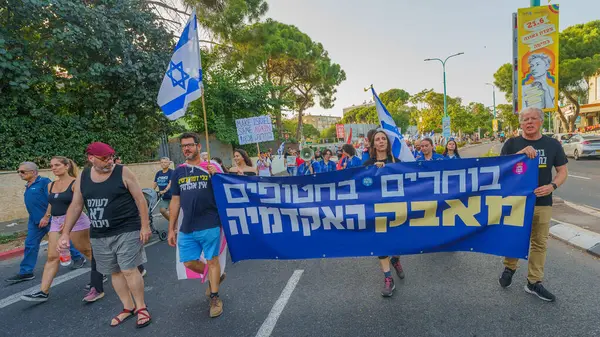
x=561, y=137
x=580, y=146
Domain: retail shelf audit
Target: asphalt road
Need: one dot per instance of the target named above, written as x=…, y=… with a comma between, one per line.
x=582, y=185
x=449, y=294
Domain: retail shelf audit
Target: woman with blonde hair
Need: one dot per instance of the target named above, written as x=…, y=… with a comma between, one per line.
x=60, y=195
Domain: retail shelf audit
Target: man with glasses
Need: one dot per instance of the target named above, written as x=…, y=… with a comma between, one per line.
x=551, y=154
x=120, y=227
x=200, y=228
x=36, y=202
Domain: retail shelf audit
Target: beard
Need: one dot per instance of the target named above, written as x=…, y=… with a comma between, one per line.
x=104, y=169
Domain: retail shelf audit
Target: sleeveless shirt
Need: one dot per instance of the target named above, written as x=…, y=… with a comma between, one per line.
x=60, y=201
x=111, y=208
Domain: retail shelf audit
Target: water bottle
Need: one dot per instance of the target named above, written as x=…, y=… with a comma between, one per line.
x=65, y=257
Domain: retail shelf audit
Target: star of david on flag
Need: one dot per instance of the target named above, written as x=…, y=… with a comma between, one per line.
x=399, y=148
x=182, y=82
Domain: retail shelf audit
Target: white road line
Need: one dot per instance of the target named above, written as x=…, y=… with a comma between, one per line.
x=12, y=299
x=269, y=324
x=580, y=177
x=62, y=278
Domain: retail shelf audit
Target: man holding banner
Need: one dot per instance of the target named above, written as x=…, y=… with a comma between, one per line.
x=200, y=229
x=551, y=154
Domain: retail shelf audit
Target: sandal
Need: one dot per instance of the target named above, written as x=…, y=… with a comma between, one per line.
x=131, y=312
x=145, y=315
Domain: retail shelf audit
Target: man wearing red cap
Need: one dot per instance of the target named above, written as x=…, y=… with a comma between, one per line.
x=120, y=227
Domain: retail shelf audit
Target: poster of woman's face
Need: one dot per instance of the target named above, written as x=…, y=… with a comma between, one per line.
x=540, y=93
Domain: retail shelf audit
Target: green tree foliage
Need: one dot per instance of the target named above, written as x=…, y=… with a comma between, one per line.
x=395, y=100
x=508, y=117
x=227, y=99
x=73, y=72
x=579, y=49
x=503, y=80
x=298, y=69
x=308, y=130
x=430, y=116
x=225, y=18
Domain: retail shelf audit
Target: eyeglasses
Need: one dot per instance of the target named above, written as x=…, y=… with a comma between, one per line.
x=104, y=158
x=184, y=146
x=23, y=172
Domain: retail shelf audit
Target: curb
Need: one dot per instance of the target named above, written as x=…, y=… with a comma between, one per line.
x=576, y=236
x=585, y=209
x=9, y=254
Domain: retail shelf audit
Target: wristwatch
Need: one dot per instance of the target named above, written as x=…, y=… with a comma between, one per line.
x=554, y=185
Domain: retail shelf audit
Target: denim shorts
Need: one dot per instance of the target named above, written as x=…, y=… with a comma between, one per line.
x=191, y=245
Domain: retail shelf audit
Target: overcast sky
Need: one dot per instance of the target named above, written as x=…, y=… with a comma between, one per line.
x=384, y=42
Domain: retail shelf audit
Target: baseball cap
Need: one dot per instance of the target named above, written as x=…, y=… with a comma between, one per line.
x=99, y=149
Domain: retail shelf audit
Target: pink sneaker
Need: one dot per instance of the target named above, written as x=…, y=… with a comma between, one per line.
x=92, y=296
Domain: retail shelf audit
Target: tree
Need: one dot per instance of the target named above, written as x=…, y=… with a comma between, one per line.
x=508, y=117
x=224, y=18
x=73, y=72
x=309, y=131
x=319, y=78
x=579, y=49
x=430, y=117
x=503, y=80
x=395, y=101
x=299, y=70
x=228, y=99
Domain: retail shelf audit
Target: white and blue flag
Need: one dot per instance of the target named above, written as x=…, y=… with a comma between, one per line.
x=399, y=148
x=280, y=149
x=182, y=83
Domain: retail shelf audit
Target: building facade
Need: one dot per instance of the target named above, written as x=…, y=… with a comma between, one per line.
x=320, y=122
x=350, y=108
x=589, y=114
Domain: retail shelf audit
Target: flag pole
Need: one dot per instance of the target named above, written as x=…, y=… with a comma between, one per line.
x=203, y=104
x=205, y=126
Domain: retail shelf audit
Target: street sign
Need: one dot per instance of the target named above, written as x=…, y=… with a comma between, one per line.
x=254, y=129
x=446, y=130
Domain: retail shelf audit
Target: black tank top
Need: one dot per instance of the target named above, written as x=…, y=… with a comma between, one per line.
x=60, y=201
x=111, y=208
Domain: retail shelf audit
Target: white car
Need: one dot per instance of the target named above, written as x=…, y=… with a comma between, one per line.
x=580, y=146
x=561, y=137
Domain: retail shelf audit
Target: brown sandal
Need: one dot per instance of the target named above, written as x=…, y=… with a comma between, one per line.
x=145, y=315
x=131, y=312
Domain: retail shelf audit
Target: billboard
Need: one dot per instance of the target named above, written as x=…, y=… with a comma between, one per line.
x=538, y=57
x=339, y=131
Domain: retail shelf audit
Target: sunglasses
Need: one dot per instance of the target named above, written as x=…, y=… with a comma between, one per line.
x=23, y=172
x=104, y=158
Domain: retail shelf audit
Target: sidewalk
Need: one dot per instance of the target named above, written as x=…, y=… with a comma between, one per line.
x=576, y=225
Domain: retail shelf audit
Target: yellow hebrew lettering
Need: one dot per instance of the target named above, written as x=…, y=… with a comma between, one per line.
x=400, y=214
x=429, y=218
x=517, y=210
x=466, y=214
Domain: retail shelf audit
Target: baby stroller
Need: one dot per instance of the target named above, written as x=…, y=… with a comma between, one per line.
x=153, y=199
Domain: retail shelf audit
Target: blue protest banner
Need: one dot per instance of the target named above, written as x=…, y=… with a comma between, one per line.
x=482, y=205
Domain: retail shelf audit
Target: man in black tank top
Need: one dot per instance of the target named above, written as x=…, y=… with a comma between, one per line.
x=120, y=227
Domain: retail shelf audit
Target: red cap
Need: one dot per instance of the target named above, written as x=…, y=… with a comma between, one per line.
x=99, y=149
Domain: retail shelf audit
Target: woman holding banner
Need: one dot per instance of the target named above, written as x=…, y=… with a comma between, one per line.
x=380, y=153
x=243, y=164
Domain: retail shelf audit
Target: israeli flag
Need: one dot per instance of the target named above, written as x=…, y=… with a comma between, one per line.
x=399, y=148
x=182, y=83
x=280, y=149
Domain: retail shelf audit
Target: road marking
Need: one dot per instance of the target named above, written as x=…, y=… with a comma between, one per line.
x=269, y=324
x=12, y=299
x=62, y=278
x=580, y=177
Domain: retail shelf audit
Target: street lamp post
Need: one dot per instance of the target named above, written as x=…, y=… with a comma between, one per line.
x=444, y=69
x=493, y=97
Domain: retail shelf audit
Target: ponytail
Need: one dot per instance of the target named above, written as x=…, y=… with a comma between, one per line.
x=73, y=169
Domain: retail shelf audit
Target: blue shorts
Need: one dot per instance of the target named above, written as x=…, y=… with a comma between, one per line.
x=191, y=245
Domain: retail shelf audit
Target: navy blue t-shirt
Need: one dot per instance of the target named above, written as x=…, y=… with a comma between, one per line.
x=162, y=180
x=194, y=187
